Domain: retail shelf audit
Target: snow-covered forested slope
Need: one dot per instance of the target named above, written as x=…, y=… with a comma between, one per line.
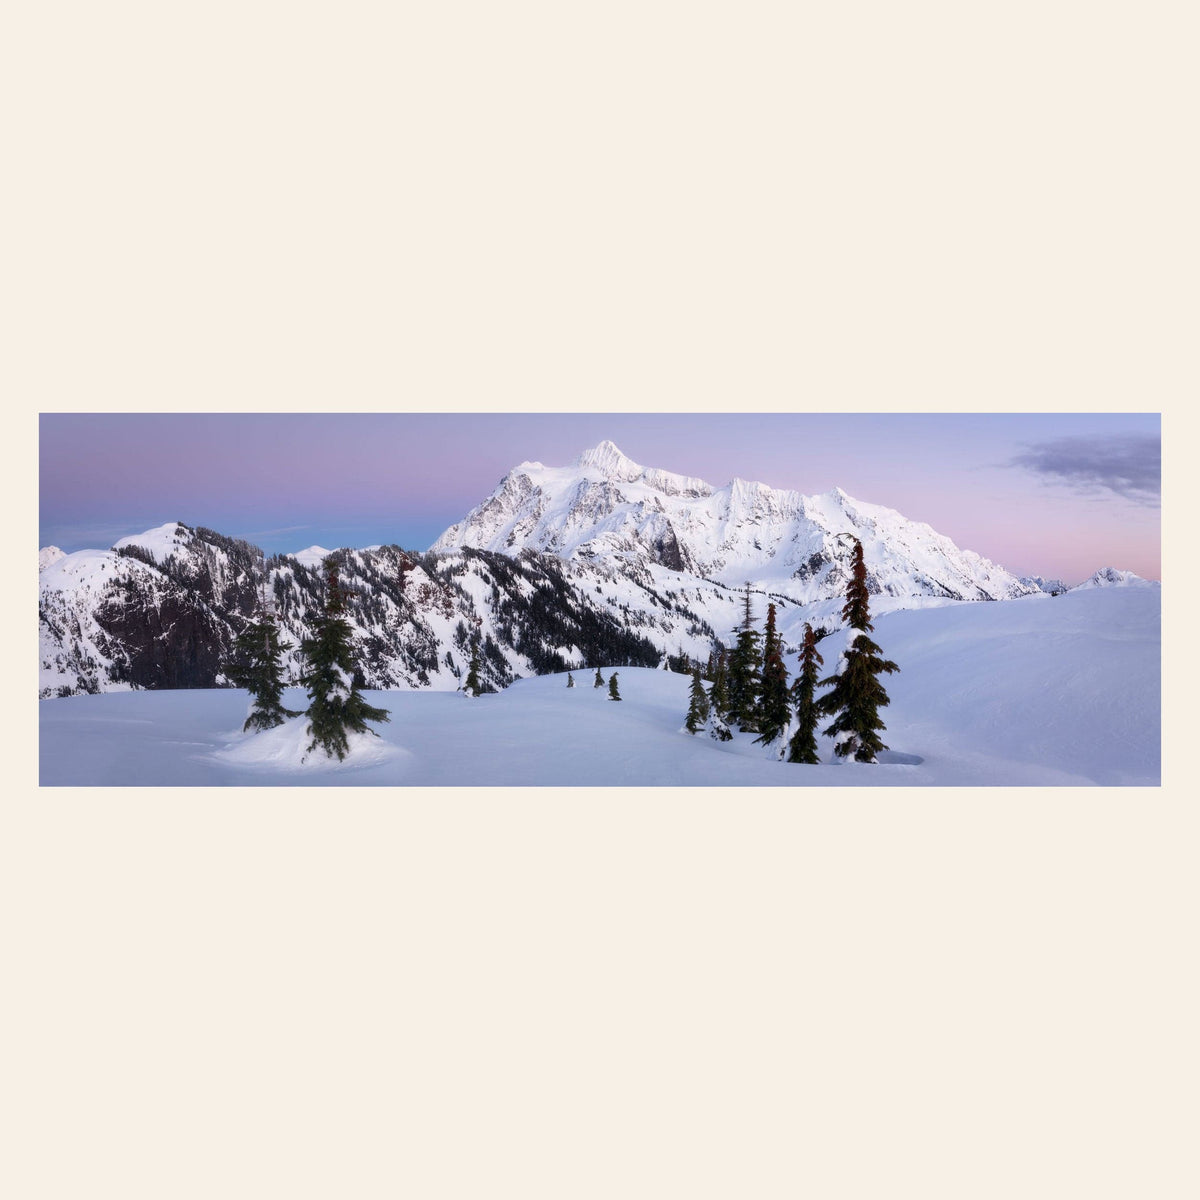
x=161, y=610
x=1039, y=691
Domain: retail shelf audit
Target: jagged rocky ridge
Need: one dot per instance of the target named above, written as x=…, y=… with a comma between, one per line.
x=162, y=611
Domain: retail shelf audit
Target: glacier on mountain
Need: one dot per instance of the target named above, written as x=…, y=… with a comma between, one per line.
x=605, y=507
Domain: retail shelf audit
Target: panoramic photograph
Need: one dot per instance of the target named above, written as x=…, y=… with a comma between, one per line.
x=601, y=599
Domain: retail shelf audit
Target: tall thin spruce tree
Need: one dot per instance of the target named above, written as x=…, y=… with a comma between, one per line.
x=718, y=694
x=336, y=707
x=718, y=699
x=745, y=674
x=774, y=711
x=599, y=680
x=803, y=745
x=257, y=665
x=857, y=695
x=613, y=694
x=698, y=706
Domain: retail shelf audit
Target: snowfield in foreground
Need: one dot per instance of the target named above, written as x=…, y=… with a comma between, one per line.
x=1035, y=691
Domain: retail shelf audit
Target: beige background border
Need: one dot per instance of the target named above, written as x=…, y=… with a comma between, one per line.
x=652, y=206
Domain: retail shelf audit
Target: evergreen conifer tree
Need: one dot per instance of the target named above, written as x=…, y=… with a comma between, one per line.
x=257, y=665
x=599, y=680
x=718, y=694
x=570, y=679
x=774, y=712
x=745, y=679
x=857, y=694
x=803, y=745
x=336, y=706
x=718, y=701
x=613, y=694
x=471, y=686
x=698, y=705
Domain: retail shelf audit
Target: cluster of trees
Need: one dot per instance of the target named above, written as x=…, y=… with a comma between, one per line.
x=614, y=693
x=750, y=689
x=336, y=705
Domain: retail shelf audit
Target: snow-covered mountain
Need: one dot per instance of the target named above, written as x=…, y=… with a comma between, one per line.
x=314, y=556
x=1053, y=587
x=48, y=556
x=606, y=508
x=1112, y=577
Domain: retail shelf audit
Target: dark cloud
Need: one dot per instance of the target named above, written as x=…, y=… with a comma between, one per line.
x=1130, y=466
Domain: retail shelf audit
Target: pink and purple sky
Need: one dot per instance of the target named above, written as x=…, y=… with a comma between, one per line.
x=1057, y=495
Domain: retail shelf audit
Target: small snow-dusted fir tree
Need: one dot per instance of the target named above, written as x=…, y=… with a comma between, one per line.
x=336, y=706
x=773, y=708
x=698, y=705
x=570, y=679
x=599, y=680
x=613, y=694
x=744, y=678
x=857, y=694
x=718, y=694
x=803, y=745
x=257, y=665
x=471, y=685
x=718, y=700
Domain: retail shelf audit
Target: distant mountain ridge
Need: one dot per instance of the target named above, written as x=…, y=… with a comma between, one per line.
x=1111, y=577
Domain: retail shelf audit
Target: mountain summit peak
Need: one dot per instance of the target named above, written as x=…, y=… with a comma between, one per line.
x=608, y=460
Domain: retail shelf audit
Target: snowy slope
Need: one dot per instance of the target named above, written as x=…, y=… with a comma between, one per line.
x=605, y=506
x=1112, y=577
x=151, y=612
x=1040, y=691
x=314, y=556
x=163, y=608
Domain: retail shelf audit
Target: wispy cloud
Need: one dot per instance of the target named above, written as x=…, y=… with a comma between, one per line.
x=1128, y=466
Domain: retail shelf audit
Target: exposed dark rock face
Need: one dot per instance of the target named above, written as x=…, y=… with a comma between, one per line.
x=173, y=641
x=667, y=551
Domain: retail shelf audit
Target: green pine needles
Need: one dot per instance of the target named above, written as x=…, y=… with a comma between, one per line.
x=698, y=705
x=472, y=686
x=745, y=679
x=857, y=695
x=803, y=745
x=774, y=710
x=336, y=706
x=257, y=665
